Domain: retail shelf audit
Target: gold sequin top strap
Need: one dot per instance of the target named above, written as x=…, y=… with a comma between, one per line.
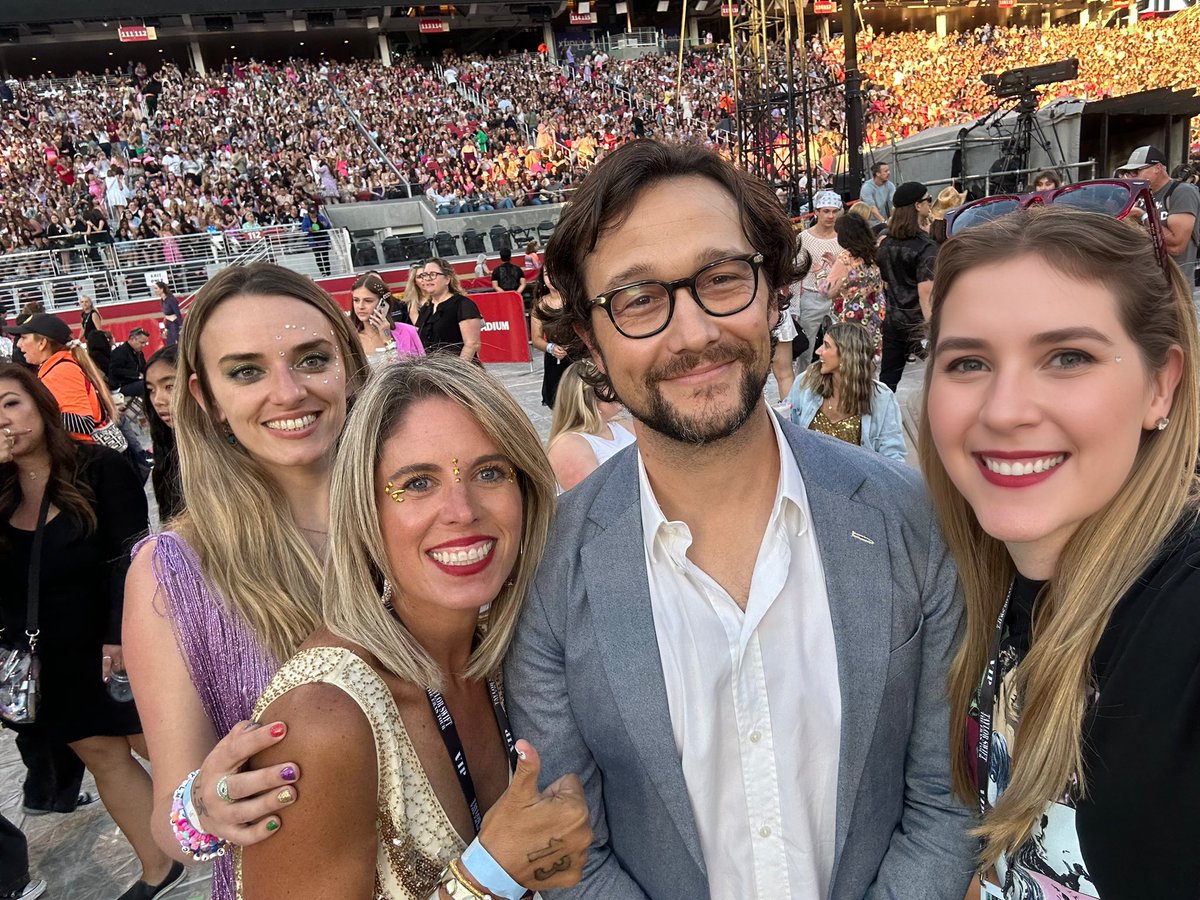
x=415, y=837
x=848, y=429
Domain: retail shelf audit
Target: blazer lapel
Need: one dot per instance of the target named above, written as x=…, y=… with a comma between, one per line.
x=618, y=591
x=853, y=542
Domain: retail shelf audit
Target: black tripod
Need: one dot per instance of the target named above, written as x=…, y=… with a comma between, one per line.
x=1014, y=156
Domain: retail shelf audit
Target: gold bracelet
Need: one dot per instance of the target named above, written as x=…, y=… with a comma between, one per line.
x=456, y=883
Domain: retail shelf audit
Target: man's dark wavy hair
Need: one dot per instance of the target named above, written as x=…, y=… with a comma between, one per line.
x=605, y=200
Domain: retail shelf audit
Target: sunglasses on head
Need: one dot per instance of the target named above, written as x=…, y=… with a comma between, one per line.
x=1118, y=198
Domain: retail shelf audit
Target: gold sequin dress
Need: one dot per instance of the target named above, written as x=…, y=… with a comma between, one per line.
x=415, y=838
x=848, y=429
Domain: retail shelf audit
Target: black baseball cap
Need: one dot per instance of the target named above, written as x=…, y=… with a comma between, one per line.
x=47, y=326
x=1143, y=157
x=139, y=332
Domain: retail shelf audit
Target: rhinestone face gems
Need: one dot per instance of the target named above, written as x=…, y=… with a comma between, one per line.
x=454, y=461
x=395, y=493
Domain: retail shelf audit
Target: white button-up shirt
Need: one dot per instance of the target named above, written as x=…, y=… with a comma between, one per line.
x=754, y=699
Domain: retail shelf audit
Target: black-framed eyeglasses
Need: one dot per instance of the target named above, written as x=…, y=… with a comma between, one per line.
x=428, y=274
x=721, y=288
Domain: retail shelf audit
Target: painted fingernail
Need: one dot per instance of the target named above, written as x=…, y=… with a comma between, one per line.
x=287, y=773
x=278, y=729
x=285, y=796
x=272, y=825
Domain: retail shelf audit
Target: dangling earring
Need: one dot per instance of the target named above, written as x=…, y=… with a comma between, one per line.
x=386, y=599
x=230, y=437
x=1163, y=423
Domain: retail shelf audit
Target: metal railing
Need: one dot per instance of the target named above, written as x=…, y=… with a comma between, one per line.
x=127, y=270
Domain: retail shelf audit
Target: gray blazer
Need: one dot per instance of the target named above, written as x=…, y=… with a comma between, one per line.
x=585, y=684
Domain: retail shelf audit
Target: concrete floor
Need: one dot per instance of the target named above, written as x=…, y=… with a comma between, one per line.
x=83, y=856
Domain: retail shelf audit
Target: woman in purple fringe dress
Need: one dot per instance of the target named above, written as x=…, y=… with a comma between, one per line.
x=212, y=606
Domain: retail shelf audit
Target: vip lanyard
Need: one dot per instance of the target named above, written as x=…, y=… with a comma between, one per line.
x=987, y=705
x=454, y=747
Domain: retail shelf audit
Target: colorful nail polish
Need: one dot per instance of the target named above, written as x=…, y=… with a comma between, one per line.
x=272, y=825
x=278, y=729
x=287, y=773
x=285, y=796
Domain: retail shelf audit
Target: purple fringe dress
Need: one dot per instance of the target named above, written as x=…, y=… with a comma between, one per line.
x=228, y=667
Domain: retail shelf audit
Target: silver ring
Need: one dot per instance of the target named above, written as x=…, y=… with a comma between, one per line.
x=223, y=789
x=109, y=658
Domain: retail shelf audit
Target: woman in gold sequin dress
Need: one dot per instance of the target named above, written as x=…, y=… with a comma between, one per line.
x=441, y=503
x=839, y=396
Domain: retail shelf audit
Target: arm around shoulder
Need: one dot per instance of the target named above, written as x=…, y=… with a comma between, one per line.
x=326, y=844
x=178, y=732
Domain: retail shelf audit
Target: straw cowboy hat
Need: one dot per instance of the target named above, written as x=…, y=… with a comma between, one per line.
x=947, y=200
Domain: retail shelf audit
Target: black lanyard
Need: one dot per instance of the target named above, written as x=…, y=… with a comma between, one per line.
x=987, y=706
x=458, y=758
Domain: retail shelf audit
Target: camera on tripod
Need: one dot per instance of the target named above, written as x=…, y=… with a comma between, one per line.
x=1021, y=82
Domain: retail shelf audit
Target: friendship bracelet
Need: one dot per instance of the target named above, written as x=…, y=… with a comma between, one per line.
x=193, y=842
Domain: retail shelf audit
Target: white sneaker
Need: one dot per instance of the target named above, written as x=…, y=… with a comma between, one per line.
x=35, y=888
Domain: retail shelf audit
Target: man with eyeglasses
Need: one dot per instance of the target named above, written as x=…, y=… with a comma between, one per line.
x=1178, y=207
x=740, y=632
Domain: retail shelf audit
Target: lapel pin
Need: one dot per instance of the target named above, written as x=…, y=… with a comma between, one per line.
x=861, y=537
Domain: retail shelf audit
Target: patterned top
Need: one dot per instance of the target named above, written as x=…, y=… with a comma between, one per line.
x=848, y=429
x=861, y=298
x=416, y=840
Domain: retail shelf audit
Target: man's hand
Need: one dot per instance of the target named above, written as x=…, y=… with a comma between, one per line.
x=540, y=838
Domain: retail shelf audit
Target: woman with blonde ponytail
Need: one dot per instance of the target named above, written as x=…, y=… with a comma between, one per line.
x=267, y=367
x=1059, y=443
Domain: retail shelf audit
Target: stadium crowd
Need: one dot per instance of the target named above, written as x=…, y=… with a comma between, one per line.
x=249, y=145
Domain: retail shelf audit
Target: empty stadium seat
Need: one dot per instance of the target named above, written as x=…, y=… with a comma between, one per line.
x=500, y=238
x=447, y=244
x=365, y=254
x=544, y=230
x=473, y=241
x=393, y=249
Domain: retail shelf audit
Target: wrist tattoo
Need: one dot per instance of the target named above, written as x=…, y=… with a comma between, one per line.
x=198, y=801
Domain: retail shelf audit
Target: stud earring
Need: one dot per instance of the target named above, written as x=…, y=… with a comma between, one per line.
x=395, y=493
x=386, y=599
x=230, y=437
x=457, y=480
x=1163, y=423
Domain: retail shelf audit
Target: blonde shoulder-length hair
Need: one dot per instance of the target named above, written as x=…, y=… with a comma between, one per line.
x=575, y=406
x=1108, y=552
x=236, y=517
x=856, y=369
x=358, y=561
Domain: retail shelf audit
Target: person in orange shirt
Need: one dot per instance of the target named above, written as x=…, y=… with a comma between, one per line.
x=66, y=369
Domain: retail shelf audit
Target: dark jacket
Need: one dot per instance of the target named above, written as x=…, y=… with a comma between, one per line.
x=904, y=264
x=126, y=366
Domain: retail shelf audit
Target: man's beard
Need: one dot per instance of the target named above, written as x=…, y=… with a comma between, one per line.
x=656, y=413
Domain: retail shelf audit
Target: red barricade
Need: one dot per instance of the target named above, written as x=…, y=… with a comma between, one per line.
x=503, y=338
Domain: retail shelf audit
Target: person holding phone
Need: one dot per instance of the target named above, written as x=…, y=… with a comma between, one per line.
x=371, y=314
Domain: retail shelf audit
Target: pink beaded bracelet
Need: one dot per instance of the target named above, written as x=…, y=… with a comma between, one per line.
x=196, y=844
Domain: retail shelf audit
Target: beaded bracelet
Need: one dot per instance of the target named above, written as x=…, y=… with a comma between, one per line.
x=193, y=842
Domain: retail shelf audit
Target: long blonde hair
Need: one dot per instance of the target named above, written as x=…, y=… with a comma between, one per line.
x=414, y=297
x=1107, y=553
x=350, y=604
x=237, y=518
x=575, y=406
x=856, y=369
